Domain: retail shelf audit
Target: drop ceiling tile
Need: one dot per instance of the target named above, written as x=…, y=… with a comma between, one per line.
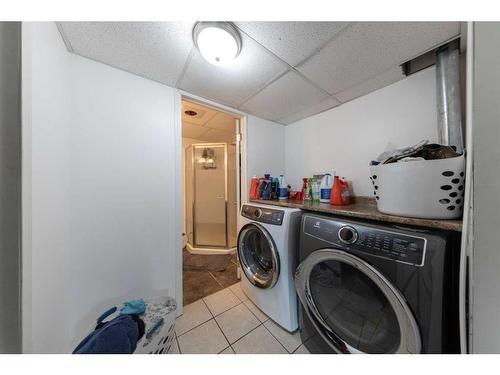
x=287, y=95
x=292, y=41
x=218, y=136
x=155, y=50
x=203, y=114
x=382, y=80
x=310, y=111
x=232, y=84
x=366, y=49
x=222, y=121
x=192, y=130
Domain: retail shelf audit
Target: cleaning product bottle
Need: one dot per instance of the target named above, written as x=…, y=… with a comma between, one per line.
x=254, y=188
x=315, y=188
x=266, y=191
x=275, y=188
x=348, y=194
x=283, y=188
x=326, y=188
x=306, y=196
x=262, y=185
x=340, y=193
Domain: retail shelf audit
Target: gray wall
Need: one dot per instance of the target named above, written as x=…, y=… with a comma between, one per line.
x=10, y=169
x=486, y=127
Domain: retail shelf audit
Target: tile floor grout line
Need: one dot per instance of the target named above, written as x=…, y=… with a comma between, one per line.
x=223, y=334
x=216, y=322
x=177, y=340
x=288, y=352
x=246, y=334
x=189, y=330
x=224, y=349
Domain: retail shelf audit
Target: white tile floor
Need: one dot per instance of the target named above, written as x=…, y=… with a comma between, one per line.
x=227, y=322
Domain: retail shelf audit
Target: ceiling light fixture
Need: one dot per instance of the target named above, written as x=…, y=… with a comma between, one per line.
x=218, y=42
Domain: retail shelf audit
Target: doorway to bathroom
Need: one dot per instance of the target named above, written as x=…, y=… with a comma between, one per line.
x=211, y=184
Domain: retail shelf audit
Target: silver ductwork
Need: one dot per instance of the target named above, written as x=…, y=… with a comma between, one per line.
x=449, y=104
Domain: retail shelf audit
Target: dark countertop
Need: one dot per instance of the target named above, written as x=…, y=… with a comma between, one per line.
x=366, y=208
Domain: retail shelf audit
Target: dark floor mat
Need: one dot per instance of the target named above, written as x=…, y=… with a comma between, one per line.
x=227, y=277
x=198, y=284
x=209, y=262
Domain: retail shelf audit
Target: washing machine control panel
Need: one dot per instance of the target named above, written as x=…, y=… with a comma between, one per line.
x=263, y=215
x=386, y=243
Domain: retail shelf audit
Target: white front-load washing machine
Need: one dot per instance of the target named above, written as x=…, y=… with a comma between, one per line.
x=267, y=251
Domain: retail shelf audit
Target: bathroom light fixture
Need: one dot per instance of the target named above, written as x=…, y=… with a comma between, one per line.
x=218, y=42
x=207, y=158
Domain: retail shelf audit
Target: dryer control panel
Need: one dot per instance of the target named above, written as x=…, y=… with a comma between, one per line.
x=263, y=215
x=387, y=243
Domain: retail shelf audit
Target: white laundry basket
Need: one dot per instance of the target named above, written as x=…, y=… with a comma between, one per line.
x=159, y=325
x=429, y=189
x=159, y=321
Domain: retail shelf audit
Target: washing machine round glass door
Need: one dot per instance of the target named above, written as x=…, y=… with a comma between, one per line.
x=353, y=306
x=258, y=256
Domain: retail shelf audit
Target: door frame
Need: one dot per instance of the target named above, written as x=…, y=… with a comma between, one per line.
x=241, y=173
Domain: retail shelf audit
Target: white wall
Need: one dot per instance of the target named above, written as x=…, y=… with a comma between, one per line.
x=100, y=214
x=265, y=148
x=122, y=189
x=46, y=188
x=346, y=138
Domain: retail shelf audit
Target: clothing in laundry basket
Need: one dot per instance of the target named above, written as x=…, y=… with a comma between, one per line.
x=136, y=306
x=118, y=336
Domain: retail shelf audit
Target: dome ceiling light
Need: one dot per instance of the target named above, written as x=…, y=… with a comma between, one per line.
x=218, y=42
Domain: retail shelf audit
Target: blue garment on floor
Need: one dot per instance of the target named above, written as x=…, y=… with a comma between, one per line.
x=136, y=306
x=118, y=336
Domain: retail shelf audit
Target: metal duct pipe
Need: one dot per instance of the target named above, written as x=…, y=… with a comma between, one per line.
x=449, y=104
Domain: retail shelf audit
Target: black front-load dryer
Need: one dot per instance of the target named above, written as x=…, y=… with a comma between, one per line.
x=376, y=288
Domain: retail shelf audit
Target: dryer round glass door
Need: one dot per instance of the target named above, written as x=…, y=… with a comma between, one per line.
x=353, y=306
x=258, y=256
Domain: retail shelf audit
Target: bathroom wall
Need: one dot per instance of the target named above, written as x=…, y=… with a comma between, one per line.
x=99, y=208
x=346, y=138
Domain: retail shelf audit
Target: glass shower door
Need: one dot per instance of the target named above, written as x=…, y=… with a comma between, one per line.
x=210, y=195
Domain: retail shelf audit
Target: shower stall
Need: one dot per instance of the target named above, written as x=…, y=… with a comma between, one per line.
x=210, y=198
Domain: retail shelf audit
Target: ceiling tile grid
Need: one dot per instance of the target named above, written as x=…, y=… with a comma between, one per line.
x=381, y=80
x=322, y=106
x=366, y=49
x=232, y=84
x=155, y=50
x=289, y=92
x=293, y=42
x=286, y=71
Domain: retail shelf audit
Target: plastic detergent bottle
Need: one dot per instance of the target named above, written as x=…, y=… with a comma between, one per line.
x=266, y=190
x=254, y=188
x=275, y=188
x=315, y=188
x=283, y=189
x=340, y=193
x=325, y=188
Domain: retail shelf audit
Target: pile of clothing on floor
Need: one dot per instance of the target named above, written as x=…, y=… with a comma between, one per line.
x=421, y=151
